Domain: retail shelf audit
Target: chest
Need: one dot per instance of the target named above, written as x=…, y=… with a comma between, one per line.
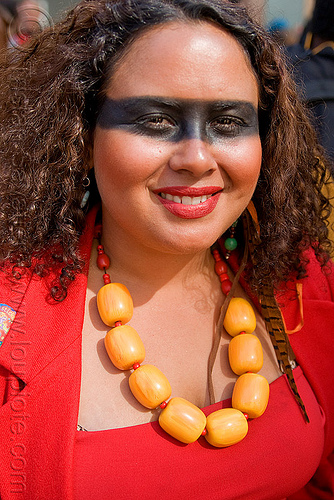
x=178, y=336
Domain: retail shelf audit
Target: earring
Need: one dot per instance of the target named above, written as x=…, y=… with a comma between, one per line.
x=85, y=198
x=230, y=242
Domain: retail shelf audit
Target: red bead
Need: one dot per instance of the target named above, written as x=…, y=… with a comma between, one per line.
x=246, y=416
x=220, y=267
x=103, y=261
x=226, y=286
x=106, y=279
x=100, y=249
x=204, y=432
x=163, y=405
x=136, y=366
x=216, y=255
x=118, y=323
x=98, y=231
x=242, y=333
x=224, y=277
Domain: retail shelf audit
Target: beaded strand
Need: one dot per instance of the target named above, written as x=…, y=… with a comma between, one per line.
x=180, y=418
x=231, y=243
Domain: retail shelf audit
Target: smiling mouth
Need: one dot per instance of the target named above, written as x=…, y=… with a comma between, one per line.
x=186, y=200
x=189, y=202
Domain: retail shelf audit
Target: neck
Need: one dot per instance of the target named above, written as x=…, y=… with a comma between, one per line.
x=141, y=266
x=154, y=269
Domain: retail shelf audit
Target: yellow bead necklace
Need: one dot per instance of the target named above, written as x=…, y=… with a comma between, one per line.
x=181, y=419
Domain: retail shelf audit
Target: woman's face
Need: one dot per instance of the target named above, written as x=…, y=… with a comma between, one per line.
x=177, y=152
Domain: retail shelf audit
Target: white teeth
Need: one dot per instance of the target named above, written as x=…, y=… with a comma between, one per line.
x=186, y=200
x=198, y=200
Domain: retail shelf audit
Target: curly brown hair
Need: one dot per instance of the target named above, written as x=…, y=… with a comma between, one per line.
x=51, y=93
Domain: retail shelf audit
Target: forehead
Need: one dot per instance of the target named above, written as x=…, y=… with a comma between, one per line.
x=189, y=60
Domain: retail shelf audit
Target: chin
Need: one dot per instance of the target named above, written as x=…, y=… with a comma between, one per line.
x=190, y=243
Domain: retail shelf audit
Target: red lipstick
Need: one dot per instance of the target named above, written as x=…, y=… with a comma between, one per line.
x=184, y=208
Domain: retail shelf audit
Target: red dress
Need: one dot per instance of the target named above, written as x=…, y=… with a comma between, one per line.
x=277, y=457
x=43, y=456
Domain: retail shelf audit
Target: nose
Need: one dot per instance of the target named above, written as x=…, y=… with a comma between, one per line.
x=193, y=156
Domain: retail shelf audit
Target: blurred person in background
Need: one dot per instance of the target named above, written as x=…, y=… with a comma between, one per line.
x=19, y=20
x=313, y=68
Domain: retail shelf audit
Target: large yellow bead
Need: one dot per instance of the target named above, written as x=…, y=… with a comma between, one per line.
x=114, y=303
x=251, y=394
x=245, y=354
x=226, y=427
x=240, y=317
x=182, y=420
x=149, y=386
x=124, y=347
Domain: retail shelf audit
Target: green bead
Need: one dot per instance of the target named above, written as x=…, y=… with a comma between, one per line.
x=230, y=244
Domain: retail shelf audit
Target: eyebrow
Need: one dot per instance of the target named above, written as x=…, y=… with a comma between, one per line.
x=130, y=102
x=220, y=105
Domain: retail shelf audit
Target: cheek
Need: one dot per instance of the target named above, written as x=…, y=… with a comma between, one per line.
x=123, y=158
x=244, y=160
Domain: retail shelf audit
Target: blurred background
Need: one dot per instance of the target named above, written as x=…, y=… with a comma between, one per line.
x=286, y=18
x=287, y=15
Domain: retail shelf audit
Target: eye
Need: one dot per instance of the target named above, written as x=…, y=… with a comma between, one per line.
x=227, y=125
x=158, y=123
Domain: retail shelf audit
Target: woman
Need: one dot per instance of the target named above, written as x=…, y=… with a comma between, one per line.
x=183, y=114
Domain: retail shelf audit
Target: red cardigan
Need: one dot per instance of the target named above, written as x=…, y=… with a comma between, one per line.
x=40, y=364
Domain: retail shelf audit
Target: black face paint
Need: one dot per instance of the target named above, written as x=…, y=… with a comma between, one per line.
x=178, y=119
